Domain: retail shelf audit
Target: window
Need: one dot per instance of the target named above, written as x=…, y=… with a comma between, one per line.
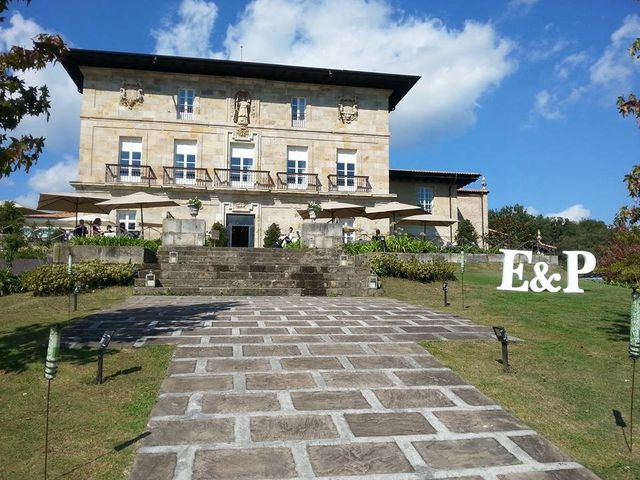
x=185, y=104
x=297, y=168
x=130, y=160
x=348, y=230
x=298, y=107
x=425, y=199
x=241, y=161
x=184, y=162
x=127, y=218
x=346, y=170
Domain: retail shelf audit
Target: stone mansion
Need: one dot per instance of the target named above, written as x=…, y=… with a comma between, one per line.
x=254, y=142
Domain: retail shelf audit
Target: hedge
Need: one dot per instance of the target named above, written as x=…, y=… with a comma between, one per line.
x=389, y=265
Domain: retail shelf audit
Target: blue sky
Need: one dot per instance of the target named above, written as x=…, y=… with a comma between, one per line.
x=522, y=91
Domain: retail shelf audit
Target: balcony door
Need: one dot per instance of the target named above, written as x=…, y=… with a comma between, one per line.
x=241, y=164
x=130, y=160
x=184, y=162
x=297, y=168
x=346, y=170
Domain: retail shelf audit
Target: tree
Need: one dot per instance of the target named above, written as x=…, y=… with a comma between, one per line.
x=511, y=227
x=467, y=234
x=11, y=225
x=271, y=235
x=17, y=99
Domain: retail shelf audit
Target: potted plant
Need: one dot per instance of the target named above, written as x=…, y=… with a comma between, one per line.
x=313, y=208
x=194, y=205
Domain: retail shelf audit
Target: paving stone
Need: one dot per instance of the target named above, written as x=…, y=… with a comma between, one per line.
x=472, y=396
x=297, y=339
x=383, y=424
x=299, y=427
x=425, y=329
x=270, y=350
x=229, y=323
x=264, y=331
x=427, y=377
x=466, y=453
x=170, y=406
x=336, y=349
x=422, y=398
x=540, y=449
x=233, y=365
x=358, y=459
x=279, y=381
x=199, y=352
x=417, y=337
x=248, y=464
x=237, y=339
x=474, y=477
x=479, y=421
x=573, y=474
x=237, y=403
x=318, y=330
x=311, y=363
x=159, y=466
x=187, y=366
x=212, y=330
x=379, y=361
x=288, y=323
x=184, y=432
x=166, y=340
x=356, y=379
x=328, y=400
x=397, y=349
x=194, y=384
x=356, y=338
x=427, y=361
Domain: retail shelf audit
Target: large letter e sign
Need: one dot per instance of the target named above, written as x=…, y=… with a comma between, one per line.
x=541, y=282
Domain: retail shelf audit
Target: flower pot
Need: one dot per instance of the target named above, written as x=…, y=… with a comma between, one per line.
x=312, y=214
x=193, y=211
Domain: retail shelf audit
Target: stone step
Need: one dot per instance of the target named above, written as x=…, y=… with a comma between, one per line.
x=217, y=291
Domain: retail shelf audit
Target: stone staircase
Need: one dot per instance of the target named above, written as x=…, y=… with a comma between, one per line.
x=242, y=271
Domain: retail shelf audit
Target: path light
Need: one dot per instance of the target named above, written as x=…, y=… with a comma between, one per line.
x=344, y=260
x=150, y=279
x=102, y=346
x=373, y=281
x=445, y=290
x=503, y=338
x=76, y=291
x=173, y=257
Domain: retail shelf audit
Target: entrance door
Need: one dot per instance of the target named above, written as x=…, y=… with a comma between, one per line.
x=241, y=229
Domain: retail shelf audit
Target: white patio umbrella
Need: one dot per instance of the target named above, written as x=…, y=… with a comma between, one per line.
x=336, y=210
x=427, y=221
x=138, y=200
x=392, y=210
x=72, y=202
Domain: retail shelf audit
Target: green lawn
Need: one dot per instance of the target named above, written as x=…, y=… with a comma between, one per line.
x=568, y=376
x=93, y=428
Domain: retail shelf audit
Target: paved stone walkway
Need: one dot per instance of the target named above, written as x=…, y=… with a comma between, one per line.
x=334, y=388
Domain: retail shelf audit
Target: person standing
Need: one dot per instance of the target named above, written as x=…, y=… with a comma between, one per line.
x=80, y=230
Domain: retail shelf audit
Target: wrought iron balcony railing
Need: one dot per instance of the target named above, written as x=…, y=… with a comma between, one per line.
x=298, y=181
x=346, y=183
x=233, y=178
x=116, y=173
x=196, y=177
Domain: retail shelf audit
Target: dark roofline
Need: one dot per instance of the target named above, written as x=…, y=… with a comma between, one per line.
x=460, y=178
x=76, y=58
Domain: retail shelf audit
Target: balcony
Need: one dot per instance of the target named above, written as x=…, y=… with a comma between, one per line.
x=133, y=174
x=190, y=177
x=298, y=181
x=346, y=183
x=233, y=178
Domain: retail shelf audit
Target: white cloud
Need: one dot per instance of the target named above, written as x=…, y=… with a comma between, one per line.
x=28, y=199
x=546, y=106
x=521, y=7
x=575, y=213
x=457, y=67
x=563, y=69
x=191, y=35
x=544, y=49
x=55, y=178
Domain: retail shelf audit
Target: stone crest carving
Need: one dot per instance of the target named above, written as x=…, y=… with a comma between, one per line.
x=242, y=112
x=131, y=94
x=348, y=109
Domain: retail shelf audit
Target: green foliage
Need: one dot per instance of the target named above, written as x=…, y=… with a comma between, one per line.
x=389, y=265
x=38, y=252
x=54, y=279
x=195, y=202
x=621, y=263
x=11, y=229
x=297, y=245
x=9, y=283
x=467, y=234
x=118, y=241
x=20, y=100
x=271, y=235
x=222, y=236
x=395, y=243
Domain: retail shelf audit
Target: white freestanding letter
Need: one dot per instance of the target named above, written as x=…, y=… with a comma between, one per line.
x=508, y=270
x=573, y=271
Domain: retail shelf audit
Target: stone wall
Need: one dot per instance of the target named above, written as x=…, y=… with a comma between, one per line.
x=321, y=235
x=187, y=232
x=472, y=257
x=473, y=205
x=106, y=254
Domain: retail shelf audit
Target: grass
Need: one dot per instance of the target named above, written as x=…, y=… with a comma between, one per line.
x=94, y=429
x=568, y=376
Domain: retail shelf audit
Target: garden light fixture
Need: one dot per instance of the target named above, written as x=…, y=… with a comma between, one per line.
x=503, y=338
x=102, y=346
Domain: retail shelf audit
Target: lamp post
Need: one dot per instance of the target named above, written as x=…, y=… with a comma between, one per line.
x=634, y=352
x=445, y=290
x=503, y=338
x=50, y=372
x=102, y=346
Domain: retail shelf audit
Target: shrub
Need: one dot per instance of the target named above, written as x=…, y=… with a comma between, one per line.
x=222, y=233
x=54, y=279
x=271, y=235
x=9, y=283
x=621, y=262
x=467, y=234
x=118, y=241
x=389, y=265
x=33, y=251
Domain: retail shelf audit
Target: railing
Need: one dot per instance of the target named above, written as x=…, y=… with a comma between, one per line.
x=197, y=177
x=227, y=177
x=185, y=114
x=297, y=122
x=116, y=173
x=298, y=181
x=346, y=183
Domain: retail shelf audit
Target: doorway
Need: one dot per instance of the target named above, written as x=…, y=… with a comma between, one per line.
x=241, y=229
